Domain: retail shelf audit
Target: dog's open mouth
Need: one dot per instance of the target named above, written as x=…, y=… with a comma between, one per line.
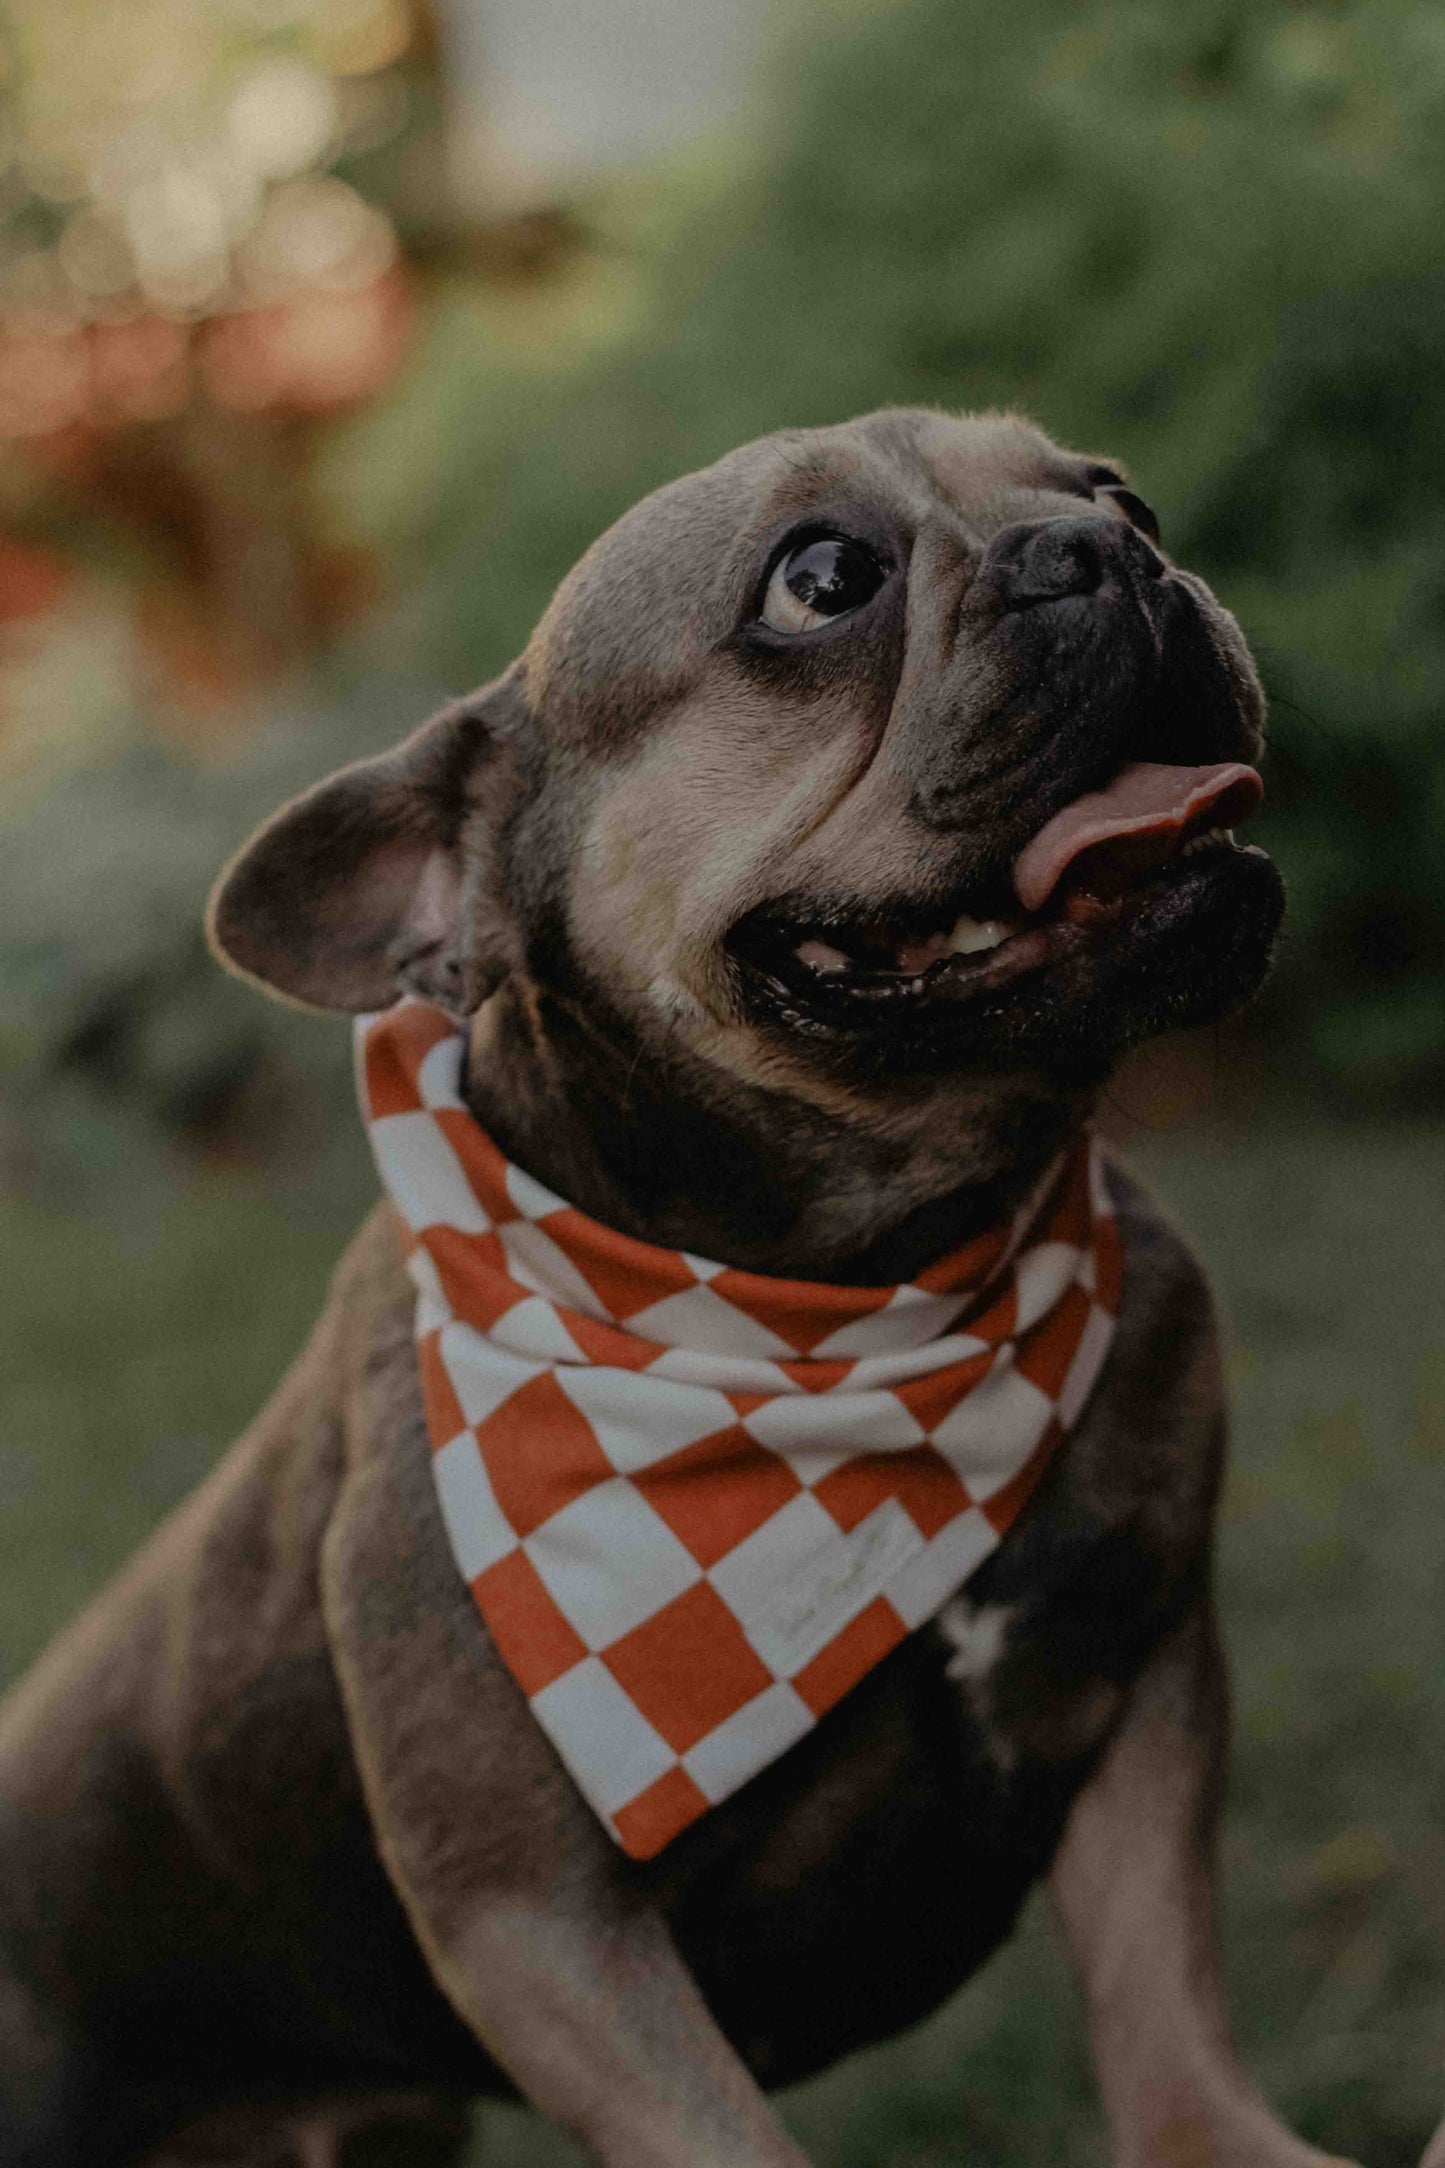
x=1093, y=864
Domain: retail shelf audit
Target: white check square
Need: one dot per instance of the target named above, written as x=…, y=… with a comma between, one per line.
x=799, y=1538
x=698, y=1318
x=602, y=1736
x=439, y=1077
x=534, y=1260
x=1040, y=1278
x=764, y=1728
x=425, y=1176
x=479, y=1533
x=635, y=1428
x=433, y=1311
x=992, y=1432
x=609, y=1561
x=534, y=1328
x=1087, y=1363
x=483, y=1375
x=868, y=1422
x=910, y=1318
x=926, y=1582
x=532, y=1198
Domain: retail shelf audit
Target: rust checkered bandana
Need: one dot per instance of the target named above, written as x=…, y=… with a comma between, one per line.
x=696, y=1505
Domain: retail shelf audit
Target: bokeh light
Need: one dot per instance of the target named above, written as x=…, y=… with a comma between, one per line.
x=167, y=164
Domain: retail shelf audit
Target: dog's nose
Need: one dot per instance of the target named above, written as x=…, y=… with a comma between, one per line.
x=1044, y=560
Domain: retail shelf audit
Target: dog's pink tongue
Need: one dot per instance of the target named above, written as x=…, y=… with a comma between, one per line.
x=1144, y=800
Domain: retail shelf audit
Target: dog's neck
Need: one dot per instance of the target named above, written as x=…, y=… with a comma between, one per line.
x=656, y=1146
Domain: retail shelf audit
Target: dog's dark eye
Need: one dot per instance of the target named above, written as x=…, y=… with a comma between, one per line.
x=818, y=580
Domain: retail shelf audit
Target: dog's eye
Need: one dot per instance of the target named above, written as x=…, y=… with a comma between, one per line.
x=818, y=580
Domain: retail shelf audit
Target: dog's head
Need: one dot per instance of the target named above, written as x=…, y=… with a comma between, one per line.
x=873, y=755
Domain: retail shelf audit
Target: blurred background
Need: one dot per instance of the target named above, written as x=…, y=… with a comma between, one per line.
x=330, y=332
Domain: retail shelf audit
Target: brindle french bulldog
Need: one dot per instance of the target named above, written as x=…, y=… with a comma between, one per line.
x=856, y=803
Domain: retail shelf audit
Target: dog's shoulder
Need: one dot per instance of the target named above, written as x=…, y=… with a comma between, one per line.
x=1162, y=1273
x=371, y=1308
x=1157, y=1421
x=236, y=1573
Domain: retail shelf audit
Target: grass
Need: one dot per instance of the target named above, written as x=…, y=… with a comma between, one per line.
x=150, y=1307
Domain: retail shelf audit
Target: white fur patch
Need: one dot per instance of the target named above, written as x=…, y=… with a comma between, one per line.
x=977, y=1633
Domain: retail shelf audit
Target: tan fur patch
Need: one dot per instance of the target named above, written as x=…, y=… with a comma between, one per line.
x=710, y=819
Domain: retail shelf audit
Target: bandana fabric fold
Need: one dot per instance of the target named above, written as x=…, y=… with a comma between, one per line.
x=696, y=1505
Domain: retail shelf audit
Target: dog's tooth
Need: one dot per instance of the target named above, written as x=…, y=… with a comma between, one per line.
x=1208, y=839
x=820, y=957
x=971, y=935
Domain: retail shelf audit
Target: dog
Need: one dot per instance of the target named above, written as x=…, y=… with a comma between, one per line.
x=291, y=1873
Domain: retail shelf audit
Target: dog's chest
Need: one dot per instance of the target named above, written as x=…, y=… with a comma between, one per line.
x=858, y=1882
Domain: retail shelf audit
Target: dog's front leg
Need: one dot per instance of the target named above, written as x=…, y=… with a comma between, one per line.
x=524, y=1909
x=1133, y=1885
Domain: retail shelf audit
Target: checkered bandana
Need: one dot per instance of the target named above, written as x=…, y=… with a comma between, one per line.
x=696, y=1505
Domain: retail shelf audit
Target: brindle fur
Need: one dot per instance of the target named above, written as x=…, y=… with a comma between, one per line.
x=289, y=1874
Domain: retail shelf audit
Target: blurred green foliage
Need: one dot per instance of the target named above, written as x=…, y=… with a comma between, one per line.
x=117, y=1027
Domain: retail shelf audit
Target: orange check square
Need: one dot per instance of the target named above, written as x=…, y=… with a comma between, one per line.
x=718, y=1490
x=540, y=1453
x=655, y=1816
x=625, y=1275
x=444, y=1416
x=393, y=1056
x=688, y=1667
x=935, y=1395
x=535, y=1641
x=1046, y=1352
x=800, y=1313
x=852, y=1653
x=484, y=1166
x=996, y=1322
x=919, y=1478
x=609, y=1344
x=474, y=1276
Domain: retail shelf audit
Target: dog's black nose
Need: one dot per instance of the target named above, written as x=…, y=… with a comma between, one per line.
x=1043, y=560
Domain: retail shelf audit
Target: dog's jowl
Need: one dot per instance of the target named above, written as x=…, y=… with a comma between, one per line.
x=744, y=1515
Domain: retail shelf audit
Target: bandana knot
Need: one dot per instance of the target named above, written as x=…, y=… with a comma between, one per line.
x=696, y=1505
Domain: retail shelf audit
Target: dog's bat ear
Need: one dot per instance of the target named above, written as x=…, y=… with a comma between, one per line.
x=382, y=880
